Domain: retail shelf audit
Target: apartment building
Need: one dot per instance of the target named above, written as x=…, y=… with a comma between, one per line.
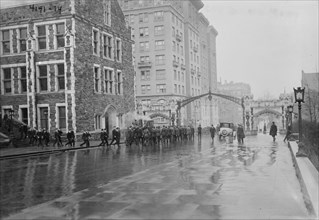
x=167, y=54
x=67, y=64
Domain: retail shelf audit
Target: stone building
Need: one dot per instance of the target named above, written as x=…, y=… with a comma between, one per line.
x=67, y=64
x=229, y=111
x=168, y=58
x=310, y=81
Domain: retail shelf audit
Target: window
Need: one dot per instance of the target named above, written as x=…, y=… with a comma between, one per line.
x=146, y=102
x=96, y=79
x=24, y=115
x=107, y=13
x=60, y=30
x=62, y=117
x=182, y=77
x=43, y=78
x=132, y=17
x=145, y=75
x=182, y=50
x=160, y=74
x=107, y=46
x=183, y=90
x=145, y=89
x=175, y=75
x=97, y=122
x=175, y=88
x=23, y=39
x=144, y=46
x=179, y=89
x=159, y=30
x=118, y=50
x=109, y=79
x=174, y=46
x=44, y=119
x=7, y=81
x=179, y=76
x=160, y=59
x=119, y=83
x=159, y=16
x=161, y=88
x=60, y=77
x=95, y=42
x=159, y=44
x=42, y=37
x=23, y=79
x=145, y=59
x=143, y=17
x=144, y=32
x=173, y=31
x=6, y=42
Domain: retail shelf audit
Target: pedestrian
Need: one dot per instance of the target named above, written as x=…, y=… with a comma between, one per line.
x=118, y=136
x=102, y=138
x=288, y=133
x=106, y=137
x=212, y=132
x=86, y=139
x=70, y=136
x=57, y=137
x=240, y=134
x=114, y=133
x=273, y=131
x=40, y=137
x=46, y=136
x=199, y=131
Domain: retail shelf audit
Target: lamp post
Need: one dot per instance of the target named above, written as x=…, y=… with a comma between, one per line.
x=299, y=97
x=11, y=112
x=46, y=119
x=290, y=111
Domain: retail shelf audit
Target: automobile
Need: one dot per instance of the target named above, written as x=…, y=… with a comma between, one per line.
x=226, y=130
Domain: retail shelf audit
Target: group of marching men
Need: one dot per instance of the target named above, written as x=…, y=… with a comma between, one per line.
x=155, y=135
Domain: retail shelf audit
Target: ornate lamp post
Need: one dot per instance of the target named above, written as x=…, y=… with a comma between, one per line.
x=11, y=112
x=46, y=119
x=299, y=97
x=290, y=111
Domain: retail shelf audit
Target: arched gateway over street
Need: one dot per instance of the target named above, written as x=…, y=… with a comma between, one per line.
x=251, y=108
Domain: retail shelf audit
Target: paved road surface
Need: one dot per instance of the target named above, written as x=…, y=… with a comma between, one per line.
x=195, y=181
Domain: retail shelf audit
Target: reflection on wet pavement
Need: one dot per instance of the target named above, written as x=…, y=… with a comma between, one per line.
x=195, y=181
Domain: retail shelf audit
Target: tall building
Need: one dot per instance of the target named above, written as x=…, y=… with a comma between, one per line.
x=310, y=81
x=67, y=64
x=229, y=111
x=167, y=54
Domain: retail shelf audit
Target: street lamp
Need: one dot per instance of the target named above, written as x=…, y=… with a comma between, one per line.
x=46, y=119
x=299, y=97
x=11, y=112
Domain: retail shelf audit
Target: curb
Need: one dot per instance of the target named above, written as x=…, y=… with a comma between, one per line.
x=38, y=153
x=308, y=178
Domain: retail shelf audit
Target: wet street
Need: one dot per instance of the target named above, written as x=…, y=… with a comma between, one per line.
x=194, y=180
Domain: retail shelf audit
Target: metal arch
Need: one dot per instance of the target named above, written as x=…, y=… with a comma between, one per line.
x=239, y=101
x=267, y=111
x=154, y=115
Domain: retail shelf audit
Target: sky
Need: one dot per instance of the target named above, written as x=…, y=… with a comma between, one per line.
x=263, y=43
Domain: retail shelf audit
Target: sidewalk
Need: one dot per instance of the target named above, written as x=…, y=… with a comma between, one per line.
x=10, y=152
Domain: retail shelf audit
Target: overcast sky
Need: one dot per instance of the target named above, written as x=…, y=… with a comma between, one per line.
x=264, y=43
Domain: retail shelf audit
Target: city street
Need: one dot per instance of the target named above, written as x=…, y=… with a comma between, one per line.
x=193, y=180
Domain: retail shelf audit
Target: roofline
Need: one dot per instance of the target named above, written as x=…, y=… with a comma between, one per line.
x=197, y=3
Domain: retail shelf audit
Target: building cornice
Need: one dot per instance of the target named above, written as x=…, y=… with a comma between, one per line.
x=155, y=8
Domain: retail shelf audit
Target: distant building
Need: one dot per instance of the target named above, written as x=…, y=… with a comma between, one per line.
x=67, y=64
x=310, y=81
x=229, y=111
x=169, y=36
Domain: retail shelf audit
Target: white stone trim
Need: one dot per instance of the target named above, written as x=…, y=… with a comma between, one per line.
x=98, y=41
x=49, y=62
x=13, y=65
x=121, y=81
x=13, y=27
x=99, y=77
x=121, y=49
x=39, y=115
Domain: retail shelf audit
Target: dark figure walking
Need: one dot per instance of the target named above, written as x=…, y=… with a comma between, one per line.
x=199, y=132
x=240, y=134
x=46, y=135
x=57, y=137
x=40, y=137
x=288, y=133
x=70, y=136
x=102, y=138
x=212, y=131
x=86, y=139
x=273, y=131
x=116, y=135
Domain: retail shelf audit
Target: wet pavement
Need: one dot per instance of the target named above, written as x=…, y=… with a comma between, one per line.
x=198, y=180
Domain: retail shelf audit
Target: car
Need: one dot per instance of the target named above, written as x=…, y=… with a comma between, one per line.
x=226, y=130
